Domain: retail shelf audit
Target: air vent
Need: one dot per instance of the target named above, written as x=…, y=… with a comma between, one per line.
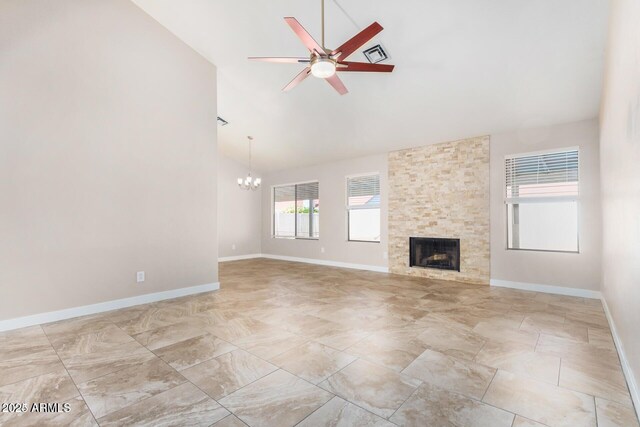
x=375, y=54
x=222, y=122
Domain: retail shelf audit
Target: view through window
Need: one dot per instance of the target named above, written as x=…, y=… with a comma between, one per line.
x=296, y=211
x=541, y=196
x=363, y=208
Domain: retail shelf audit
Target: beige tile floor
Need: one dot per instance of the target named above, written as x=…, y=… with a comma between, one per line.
x=285, y=344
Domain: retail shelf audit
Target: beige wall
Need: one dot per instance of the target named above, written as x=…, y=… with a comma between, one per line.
x=441, y=190
x=580, y=270
x=620, y=171
x=239, y=211
x=107, y=156
x=333, y=217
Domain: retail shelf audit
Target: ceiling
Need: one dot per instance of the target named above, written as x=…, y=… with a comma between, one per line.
x=463, y=68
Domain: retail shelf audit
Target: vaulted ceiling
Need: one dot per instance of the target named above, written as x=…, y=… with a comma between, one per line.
x=463, y=68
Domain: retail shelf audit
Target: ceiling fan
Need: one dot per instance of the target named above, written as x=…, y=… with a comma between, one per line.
x=322, y=62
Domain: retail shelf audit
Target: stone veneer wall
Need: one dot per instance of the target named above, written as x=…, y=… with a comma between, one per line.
x=441, y=190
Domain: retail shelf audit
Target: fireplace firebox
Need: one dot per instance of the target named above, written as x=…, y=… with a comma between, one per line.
x=431, y=252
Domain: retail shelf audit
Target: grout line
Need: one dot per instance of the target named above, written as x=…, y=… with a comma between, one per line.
x=537, y=340
x=343, y=397
x=489, y=386
x=405, y=400
x=231, y=415
x=117, y=370
x=559, y=369
x=187, y=380
x=246, y=385
x=380, y=366
x=529, y=419
x=535, y=347
x=145, y=399
x=199, y=363
x=31, y=360
x=315, y=410
x=475, y=356
x=70, y=377
x=348, y=402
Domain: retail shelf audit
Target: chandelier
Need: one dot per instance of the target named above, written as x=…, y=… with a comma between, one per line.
x=249, y=183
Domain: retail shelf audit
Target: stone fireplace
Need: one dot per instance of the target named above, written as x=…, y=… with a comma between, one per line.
x=440, y=191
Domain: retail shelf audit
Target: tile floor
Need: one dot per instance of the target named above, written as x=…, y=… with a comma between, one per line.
x=285, y=344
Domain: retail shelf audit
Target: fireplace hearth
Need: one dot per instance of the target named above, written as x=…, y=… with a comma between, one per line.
x=433, y=252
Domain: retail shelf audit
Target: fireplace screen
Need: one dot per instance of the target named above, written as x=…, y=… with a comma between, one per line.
x=430, y=252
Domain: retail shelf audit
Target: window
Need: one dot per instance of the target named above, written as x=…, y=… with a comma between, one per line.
x=541, y=196
x=363, y=208
x=296, y=211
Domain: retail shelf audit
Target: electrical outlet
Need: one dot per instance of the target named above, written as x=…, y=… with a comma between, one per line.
x=140, y=276
x=321, y=250
x=233, y=247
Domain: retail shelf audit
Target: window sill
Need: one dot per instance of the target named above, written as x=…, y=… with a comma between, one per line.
x=543, y=250
x=295, y=238
x=364, y=241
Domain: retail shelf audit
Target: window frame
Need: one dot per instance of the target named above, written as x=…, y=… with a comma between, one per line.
x=295, y=204
x=549, y=199
x=348, y=209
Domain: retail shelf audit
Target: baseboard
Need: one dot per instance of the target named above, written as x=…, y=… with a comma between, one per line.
x=329, y=263
x=239, y=257
x=53, y=316
x=548, y=289
x=634, y=390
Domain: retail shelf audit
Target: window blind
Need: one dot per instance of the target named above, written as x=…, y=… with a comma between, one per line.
x=546, y=175
x=285, y=193
x=363, y=191
x=307, y=191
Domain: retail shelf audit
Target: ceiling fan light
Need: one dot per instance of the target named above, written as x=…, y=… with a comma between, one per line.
x=323, y=68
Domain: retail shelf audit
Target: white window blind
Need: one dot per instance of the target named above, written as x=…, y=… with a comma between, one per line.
x=546, y=175
x=363, y=192
x=363, y=208
x=541, y=197
x=307, y=191
x=285, y=193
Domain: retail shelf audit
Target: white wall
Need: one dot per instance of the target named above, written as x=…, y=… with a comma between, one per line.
x=333, y=215
x=620, y=170
x=239, y=211
x=571, y=270
x=107, y=156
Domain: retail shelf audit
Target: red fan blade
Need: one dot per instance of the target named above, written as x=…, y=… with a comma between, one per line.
x=286, y=60
x=337, y=84
x=358, y=40
x=304, y=36
x=363, y=66
x=297, y=79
